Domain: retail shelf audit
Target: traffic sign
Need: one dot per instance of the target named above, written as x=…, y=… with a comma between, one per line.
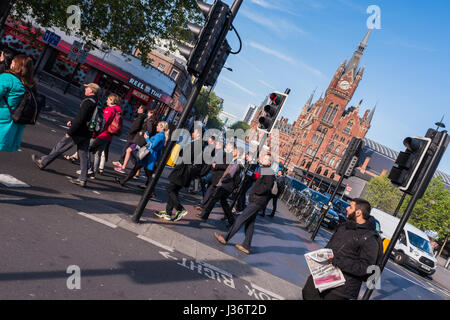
x=51, y=38
x=74, y=51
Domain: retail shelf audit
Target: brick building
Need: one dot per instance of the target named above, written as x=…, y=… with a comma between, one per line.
x=314, y=144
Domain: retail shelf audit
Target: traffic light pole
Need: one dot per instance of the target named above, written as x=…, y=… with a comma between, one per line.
x=184, y=116
x=400, y=204
x=428, y=173
x=324, y=210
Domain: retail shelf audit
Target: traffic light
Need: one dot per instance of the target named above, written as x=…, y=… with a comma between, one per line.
x=272, y=110
x=414, y=162
x=350, y=158
x=410, y=162
x=206, y=36
x=218, y=63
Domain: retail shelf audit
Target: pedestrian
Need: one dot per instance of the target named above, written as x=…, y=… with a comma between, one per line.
x=136, y=127
x=249, y=180
x=78, y=134
x=149, y=126
x=258, y=198
x=281, y=182
x=6, y=58
x=155, y=145
x=181, y=177
x=12, y=90
x=228, y=182
x=99, y=143
x=356, y=246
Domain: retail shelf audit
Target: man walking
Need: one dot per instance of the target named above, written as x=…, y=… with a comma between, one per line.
x=78, y=134
x=356, y=246
x=258, y=198
x=281, y=185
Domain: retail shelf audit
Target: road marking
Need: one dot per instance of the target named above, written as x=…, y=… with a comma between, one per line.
x=53, y=130
x=96, y=192
x=156, y=243
x=123, y=140
x=47, y=118
x=263, y=294
x=65, y=127
x=416, y=283
x=12, y=182
x=92, y=217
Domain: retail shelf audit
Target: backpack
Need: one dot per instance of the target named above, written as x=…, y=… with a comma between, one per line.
x=28, y=109
x=115, y=127
x=97, y=122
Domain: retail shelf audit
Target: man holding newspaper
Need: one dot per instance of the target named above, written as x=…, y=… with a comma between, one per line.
x=338, y=271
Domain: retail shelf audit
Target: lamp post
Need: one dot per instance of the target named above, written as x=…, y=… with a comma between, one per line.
x=315, y=154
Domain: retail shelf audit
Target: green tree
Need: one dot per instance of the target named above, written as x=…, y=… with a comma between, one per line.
x=432, y=211
x=240, y=125
x=382, y=194
x=208, y=104
x=120, y=24
x=214, y=123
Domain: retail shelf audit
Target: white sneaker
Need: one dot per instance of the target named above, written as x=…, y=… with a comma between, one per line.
x=89, y=172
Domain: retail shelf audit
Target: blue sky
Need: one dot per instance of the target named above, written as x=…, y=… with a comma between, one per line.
x=299, y=44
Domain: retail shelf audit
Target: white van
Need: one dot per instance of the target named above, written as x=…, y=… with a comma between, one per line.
x=413, y=247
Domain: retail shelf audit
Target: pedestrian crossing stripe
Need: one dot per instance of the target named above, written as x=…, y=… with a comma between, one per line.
x=12, y=182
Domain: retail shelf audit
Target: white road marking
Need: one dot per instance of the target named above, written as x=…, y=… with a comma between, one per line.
x=156, y=243
x=53, y=130
x=92, y=217
x=10, y=181
x=96, y=192
x=65, y=127
x=47, y=118
x=416, y=283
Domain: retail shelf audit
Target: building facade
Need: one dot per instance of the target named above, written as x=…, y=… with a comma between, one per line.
x=249, y=114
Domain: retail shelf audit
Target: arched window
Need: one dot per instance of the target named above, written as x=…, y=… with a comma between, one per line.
x=330, y=147
x=338, y=149
x=348, y=128
x=332, y=176
x=314, y=139
x=308, y=165
x=325, y=158
x=325, y=173
x=328, y=112
x=319, y=170
x=303, y=163
x=332, y=162
x=309, y=150
x=337, y=164
x=333, y=114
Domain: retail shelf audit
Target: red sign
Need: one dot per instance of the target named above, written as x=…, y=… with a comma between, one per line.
x=140, y=95
x=23, y=37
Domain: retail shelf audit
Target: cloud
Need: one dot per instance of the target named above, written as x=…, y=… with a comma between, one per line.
x=282, y=28
x=284, y=57
x=267, y=85
x=274, y=5
x=237, y=85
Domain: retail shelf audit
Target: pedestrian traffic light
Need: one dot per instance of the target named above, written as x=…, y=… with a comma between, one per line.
x=350, y=158
x=271, y=111
x=409, y=162
x=218, y=63
x=206, y=36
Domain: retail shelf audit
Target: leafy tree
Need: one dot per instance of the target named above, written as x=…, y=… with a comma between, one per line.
x=214, y=123
x=382, y=194
x=240, y=125
x=208, y=104
x=432, y=211
x=121, y=24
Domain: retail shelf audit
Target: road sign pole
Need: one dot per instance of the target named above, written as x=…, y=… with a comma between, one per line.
x=71, y=78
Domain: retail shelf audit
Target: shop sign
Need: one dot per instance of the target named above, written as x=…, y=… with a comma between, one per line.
x=140, y=95
x=51, y=38
x=149, y=90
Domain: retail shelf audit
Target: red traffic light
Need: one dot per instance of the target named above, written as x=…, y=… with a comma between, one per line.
x=275, y=99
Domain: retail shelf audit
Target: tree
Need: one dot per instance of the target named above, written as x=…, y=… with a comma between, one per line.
x=214, y=123
x=382, y=194
x=208, y=104
x=120, y=24
x=432, y=211
x=240, y=125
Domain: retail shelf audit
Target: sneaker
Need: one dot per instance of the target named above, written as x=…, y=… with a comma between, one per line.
x=90, y=172
x=180, y=215
x=117, y=164
x=119, y=169
x=37, y=161
x=78, y=182
x=162, y=214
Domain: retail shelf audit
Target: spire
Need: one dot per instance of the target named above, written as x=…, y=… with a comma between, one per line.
x=309, y=102
x=370, y=117
x=359, y=104
x=356, y=58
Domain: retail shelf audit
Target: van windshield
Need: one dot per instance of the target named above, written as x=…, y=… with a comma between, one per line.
x=419, y=242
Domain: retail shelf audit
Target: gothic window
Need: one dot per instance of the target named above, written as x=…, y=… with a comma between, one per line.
x=337, y=164
x=328, y=112
x=314, y=139
x=338, y=149
x=303, y=163
x=305, y=135
x=330, y=147
x=333, y=114
x=325, y=158
x=309, y=150
x=332, y=176
x=319, y=170
x=308, y=165
x=348, y=128
x=325, y=173
x=331, y=164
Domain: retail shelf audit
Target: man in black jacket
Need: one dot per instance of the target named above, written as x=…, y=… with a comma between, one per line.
x=224, y=187
x=356, y=246
x=281, y=185
x=78, y=134
x=258, y=198
x=249, y=179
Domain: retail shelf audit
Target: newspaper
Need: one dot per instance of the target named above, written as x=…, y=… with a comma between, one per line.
x=325, y=275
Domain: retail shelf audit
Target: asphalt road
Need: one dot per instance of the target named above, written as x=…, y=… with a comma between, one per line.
x=43, y=234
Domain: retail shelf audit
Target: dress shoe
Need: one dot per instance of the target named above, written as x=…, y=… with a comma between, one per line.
x=220, y=238
x=37, y=161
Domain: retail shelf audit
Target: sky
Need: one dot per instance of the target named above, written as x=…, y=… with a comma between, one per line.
x=299, y=44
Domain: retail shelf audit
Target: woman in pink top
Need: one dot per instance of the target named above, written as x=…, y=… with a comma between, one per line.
x=100, y=142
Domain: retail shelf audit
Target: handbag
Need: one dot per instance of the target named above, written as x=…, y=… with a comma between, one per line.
x=142, y=152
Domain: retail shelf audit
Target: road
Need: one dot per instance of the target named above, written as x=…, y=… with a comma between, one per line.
x=52, y=224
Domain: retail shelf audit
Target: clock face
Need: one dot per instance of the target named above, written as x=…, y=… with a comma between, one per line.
x=344, y=85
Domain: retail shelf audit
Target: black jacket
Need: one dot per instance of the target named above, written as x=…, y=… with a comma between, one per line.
x=136, y=126
x=79, y=128
x=183, y=173
x=355, y=248
x=281, y=185
x=262, y=190
x=149, y=125
x=219, y=169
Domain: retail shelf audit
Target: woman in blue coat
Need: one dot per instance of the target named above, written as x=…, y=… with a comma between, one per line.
x=155, y=145
x=12, y=88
